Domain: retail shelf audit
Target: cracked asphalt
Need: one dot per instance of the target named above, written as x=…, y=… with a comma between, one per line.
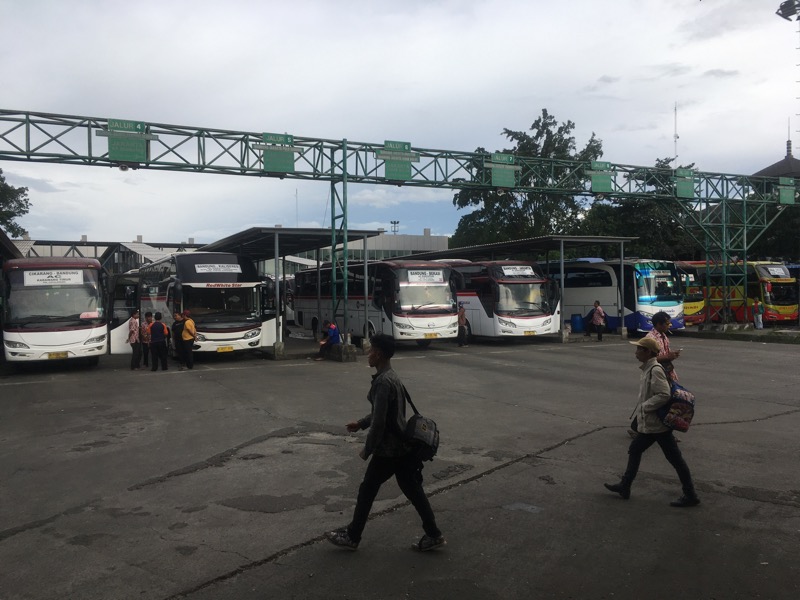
x=218, y=483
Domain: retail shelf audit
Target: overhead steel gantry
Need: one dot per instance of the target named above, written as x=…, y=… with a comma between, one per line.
x=724, y=213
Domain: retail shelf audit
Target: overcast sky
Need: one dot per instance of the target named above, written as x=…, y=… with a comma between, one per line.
x=439, y=74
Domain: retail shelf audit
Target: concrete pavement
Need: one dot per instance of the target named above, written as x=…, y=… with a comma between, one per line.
x=219, y=483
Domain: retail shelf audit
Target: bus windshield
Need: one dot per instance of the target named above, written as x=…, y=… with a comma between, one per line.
x=35, y=305
x=522, y=299
x=221, y=305
x=656, y=283
x=416, y=298
x=782, y=294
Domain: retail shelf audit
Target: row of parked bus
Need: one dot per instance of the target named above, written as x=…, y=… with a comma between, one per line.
x=771, y=283
x=64, y=308
x=69, y=308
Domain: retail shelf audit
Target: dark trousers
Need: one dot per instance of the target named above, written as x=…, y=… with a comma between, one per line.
x=136, y=357
x=462, y=335
x=159, y=352
x=669, y=446
x=408, y=472
x=599, y=331
x=145, y=354
x=188, y=357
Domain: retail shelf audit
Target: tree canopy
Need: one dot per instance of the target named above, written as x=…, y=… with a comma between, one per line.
x=501, y=215
x=13, y=204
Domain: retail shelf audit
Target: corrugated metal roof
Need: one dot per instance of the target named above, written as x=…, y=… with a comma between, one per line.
x=24, y=246
x=146, y=251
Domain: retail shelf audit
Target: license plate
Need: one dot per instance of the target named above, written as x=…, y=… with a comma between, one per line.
x=56, y=355
x=431, y=335
x=225, y=349
x=530, y=333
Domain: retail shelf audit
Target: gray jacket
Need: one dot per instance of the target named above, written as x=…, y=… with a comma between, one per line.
x=387, y=420
x=654, y=392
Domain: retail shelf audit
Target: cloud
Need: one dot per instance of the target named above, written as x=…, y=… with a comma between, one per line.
x=45, y=186
x=721, y=73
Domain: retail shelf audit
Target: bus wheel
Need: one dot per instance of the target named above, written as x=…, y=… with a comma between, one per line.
x=423, y=343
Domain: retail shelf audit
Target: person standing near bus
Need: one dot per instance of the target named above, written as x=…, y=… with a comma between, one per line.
x=135, y=341
x=462, y=325
x=159, y=334
x=188, y=336
x=390, y=454
x=177, y=337
x=758, y=314
x=654, y=392
x=144, y=337
x=661, y=324
x=598, y=320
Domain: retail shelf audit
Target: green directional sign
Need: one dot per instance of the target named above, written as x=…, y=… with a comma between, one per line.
x=279, y=154
x=502, y=157
x=786, y=190
x=127, y=141
x=601, y=177
x=684, y=183
x=397, y=158
x=503, y=170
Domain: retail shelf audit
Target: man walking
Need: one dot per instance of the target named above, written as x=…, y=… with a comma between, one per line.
x=390, y=455
x=654, y=392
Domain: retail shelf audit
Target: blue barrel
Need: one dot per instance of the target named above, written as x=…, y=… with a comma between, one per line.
x=577, y=323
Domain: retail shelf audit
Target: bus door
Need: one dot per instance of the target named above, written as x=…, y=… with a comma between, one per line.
x=383, y=298
x=123, y=300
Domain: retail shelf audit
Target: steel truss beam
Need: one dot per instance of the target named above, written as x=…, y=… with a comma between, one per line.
x=724, y=213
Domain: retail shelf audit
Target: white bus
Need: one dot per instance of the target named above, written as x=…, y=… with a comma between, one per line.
x=410, y=300
x=506, y=298
x=53, y=309
x=232, y=307
x=651, y=286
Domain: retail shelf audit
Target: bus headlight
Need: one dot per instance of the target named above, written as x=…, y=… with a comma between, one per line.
x=403, y=326
x=18, y=345
x=95, y=340
x=200, y=338
x=252, y=333
x=505, y=323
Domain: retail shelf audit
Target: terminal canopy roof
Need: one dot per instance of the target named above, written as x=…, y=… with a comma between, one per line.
x=259, y=242
x=514, y=248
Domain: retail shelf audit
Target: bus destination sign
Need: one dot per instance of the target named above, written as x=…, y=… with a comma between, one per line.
x=217, y=268
x=425, y=276
x=71, y=277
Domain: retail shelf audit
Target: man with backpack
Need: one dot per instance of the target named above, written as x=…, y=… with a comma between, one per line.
x=390, y=453
x=654, y=393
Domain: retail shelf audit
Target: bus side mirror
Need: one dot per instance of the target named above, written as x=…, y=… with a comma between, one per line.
x=769, y=287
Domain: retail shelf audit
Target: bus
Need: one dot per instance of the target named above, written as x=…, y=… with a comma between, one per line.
x=410, y=300
x=651, y=286
x=122, y=301
x=694, y=299
x=506, y=298
x=232, y=307
x=770, y=282
x=53, y=309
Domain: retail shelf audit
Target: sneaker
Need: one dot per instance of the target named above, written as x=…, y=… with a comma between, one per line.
x=341, y=538
x=429, y=543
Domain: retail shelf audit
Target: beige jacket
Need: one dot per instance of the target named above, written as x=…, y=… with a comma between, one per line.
x=654, y=392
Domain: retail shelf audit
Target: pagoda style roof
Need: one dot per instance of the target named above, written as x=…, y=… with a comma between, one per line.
x=788, y=166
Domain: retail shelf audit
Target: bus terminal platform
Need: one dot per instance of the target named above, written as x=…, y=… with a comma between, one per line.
x=218, y=483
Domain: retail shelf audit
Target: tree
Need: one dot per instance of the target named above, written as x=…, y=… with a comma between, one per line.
x=13, y=203
x=502, y=215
